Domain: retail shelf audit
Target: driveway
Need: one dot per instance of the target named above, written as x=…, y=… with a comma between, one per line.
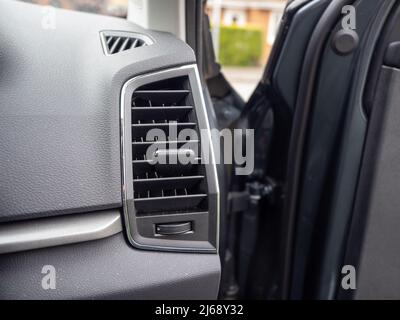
x=243, y=79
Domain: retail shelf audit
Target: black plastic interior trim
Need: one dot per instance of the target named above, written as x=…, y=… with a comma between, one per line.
x=359, y=218
x=341, y=188
x=303, y=106
x=287, y=66
x=375, y=95
x=390, y=34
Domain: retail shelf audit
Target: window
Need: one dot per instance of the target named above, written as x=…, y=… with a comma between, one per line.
x=273, y=26
x=246, y=31
x=117, y=8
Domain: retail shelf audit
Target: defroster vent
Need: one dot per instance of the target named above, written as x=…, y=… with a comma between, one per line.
x=115, y=42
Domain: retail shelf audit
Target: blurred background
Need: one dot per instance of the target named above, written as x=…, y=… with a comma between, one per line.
x=243, y=32
x=117, y=8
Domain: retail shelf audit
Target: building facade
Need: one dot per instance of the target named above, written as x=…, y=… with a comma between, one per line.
x=109, y=7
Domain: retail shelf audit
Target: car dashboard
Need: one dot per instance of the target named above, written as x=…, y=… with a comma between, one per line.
x=68, y=81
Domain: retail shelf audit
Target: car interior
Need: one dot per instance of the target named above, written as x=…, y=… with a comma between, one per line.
x=80, y=192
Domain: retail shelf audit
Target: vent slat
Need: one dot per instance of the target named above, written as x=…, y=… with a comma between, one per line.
x=140, y=148
x=159, y=98
x=109, y=40
x=173, y=203
x=161, y=113
x=114, y=46
x=148, y=162
x=135, y=43
x=169, y=183
x=160, y=124
x=158, y=92
x=125, y=44
x=143, y=168
x=140, y=130
x=147, y=143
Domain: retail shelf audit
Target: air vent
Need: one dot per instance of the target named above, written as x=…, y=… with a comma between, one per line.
x=169, y=187
x=160, y=190
x=115, y=42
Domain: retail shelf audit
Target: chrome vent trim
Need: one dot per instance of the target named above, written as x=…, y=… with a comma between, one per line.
x=136, y=216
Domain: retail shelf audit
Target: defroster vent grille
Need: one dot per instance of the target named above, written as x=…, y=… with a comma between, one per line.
x=115, y=42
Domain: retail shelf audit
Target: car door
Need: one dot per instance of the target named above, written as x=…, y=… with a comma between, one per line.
x=346, y=65
x=321, y=114
x=340, y=84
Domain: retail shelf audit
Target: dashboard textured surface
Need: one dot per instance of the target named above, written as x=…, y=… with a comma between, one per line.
x=60, y=104
x=125, y=273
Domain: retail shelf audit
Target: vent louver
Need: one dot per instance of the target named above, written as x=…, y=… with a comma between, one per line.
x=115, y=42
x=168, y=187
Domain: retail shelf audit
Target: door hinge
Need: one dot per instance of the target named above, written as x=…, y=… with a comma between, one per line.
x=255, y=191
